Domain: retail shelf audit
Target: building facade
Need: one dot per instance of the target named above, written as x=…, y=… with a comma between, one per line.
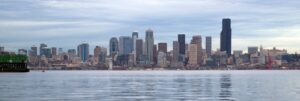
x=225, y=41
x=83, y=51
x=149, y=43
x=113, y=46
x=208, y=45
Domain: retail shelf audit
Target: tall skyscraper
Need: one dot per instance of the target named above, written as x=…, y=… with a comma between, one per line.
x=252, y=50
x=1, y=49
x=83, y=51
x=193, y=54
x=226, y=36
x=113, y=46
x=60, y=51
x=208, y=45
x=54, y=51
x=162, y=47
x=97, y=51
x=149, y=42
x=155, y=53
x=175, y=51
x=125, y=45
x=135, y=36
x=102, y=55
x=72, y=53
x=22, y=51
x=198, y=41
x=42, y=50
x=33, y=51
x=181, y=41
x=139, y=49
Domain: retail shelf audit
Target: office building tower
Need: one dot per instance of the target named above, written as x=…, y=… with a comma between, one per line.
x=252, y=50
x=162, y=47
x=208, y=45
x=54, y=51
x=97, y=51
x=22, y=51
x=135, y=36
x=175, y=51
x=1, y=49
x=47, y=52
x=149, y=42
x=193, y=55
x=139, y=49
x=155, y=53
x=42, y=50
x=198, y=41
x=125, y=45
x=113, y=46
x=83, y=51
x=102, y=55
x=72, y=52
x=33, y=51
x=60, y=51
x=181, y=41
x=225, y=41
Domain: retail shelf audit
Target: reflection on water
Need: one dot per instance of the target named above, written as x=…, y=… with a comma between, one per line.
x=149, y=86
x=225, y=84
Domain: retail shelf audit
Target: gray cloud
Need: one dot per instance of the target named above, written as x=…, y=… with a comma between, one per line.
x=254, y=22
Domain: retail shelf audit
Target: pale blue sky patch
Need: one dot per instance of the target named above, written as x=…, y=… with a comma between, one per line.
x=67, y=23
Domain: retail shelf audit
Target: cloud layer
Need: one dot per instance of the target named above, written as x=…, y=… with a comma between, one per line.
x=67, y=23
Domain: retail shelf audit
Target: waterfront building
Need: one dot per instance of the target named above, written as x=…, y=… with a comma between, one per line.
x=1, y=49
x=72, y=54
x=175, y=53
x=208, y=45
x=102, y=55
x=161, y=59
x=252, y=50
x=113, y=46
x=42, y=50
x=139, y=49
x=60, y=51
x=181, y=41
x=83, y=51
x=262, y=55
x=125, y=45
x=162, y=47
x=97, y=51
x=33, y=51
x=198, y=41
x=149, y=43
x=193, y=55
x=135, y=36
x=225, y=41
x=155, y=53
x=22, y=51
x=54, y=51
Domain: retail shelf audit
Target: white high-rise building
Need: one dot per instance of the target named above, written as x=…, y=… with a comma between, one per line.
x=135, y=36
x=149, y=42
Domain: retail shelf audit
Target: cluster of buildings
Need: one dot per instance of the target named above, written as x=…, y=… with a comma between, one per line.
x=133, y=52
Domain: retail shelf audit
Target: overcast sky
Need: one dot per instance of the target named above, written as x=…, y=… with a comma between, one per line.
x=67, y=23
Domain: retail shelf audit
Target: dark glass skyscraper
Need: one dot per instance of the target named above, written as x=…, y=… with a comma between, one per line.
x=181, y=41
x=225, y=41
x=208, y=45
x=113, y=46
x=149, y=42
x=83, y=51
x=125, y=45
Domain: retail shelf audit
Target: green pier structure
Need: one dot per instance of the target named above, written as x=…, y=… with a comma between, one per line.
x=13, y=63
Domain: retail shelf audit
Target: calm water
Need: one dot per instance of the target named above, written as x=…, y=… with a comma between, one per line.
x=151, y=85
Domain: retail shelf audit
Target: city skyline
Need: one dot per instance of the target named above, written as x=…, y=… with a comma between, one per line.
x=55, y=22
